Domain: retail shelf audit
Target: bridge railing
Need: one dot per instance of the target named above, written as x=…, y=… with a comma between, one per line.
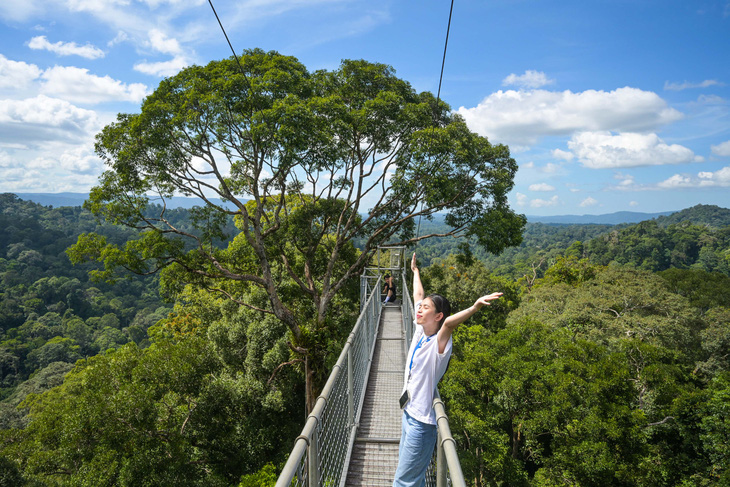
x=445, y=468
x=321, y=453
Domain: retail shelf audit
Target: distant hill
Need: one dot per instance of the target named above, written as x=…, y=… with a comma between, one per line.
x=607, y=219
x=77, y=199
x=710, y=215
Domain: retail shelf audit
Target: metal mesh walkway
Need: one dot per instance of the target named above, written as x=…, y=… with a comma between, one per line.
x=375, y=452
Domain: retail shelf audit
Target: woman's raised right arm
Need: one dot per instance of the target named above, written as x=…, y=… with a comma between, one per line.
x=418, y=293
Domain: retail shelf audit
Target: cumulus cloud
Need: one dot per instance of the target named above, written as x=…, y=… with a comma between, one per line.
x=704, y=179
x=625, y=180
x=159, y=41
x=561, y=154
x=521, y=199
x=77, y=85
x=540, y=203
x=522, y=117
x=541, y=187
x=687, y=85
x=530, y=79
x=600, y=150
x=17, y=74
x=633, y=203
x=87, y=51
x=589, y=202
x=722, y=149
x=162, y=68
x=39, y=119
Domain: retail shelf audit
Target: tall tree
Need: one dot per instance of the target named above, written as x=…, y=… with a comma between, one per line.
x=306, y=163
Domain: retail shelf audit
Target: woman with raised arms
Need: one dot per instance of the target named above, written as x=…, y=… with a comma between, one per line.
x=426, y=362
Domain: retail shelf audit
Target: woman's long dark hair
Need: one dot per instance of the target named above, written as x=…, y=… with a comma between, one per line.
x=441, y=305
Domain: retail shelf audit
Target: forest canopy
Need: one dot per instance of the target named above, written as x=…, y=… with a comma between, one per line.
x=605, y=375
x=308, y=163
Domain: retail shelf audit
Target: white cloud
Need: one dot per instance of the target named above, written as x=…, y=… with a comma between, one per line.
x=18, y=11
x=626, y=180
x=561, y=154
x=588, y=202
x=687, y=85
x=77, y=85
x=676, y=181
x=521, y=199
x=87, y=51
x=705, y=179
x=39, y=119
x=541, y=187
x=722, y=149
x=16, y=74
x=159, y=41
x=530, y=79
x=540, y=203
x=551, y=168
x=522, y=117
x=528, y=165
x=633, y=203
x=162, y=68
x=5, y=159
x=120, y=37
x=95, y=5
x=600, y=150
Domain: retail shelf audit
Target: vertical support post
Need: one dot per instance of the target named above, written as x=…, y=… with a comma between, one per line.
x=313, y=457
x=440, y=463
x=350, y=391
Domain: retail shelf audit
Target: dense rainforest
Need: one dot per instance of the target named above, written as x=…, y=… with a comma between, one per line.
x=605, y=364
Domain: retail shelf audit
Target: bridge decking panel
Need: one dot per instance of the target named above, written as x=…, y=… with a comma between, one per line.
x=375, y=454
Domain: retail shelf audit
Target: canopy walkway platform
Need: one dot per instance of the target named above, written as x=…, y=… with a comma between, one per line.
x=352, y=435
x=375, y=452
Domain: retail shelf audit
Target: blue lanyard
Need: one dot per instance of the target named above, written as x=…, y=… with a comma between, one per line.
x=416, y=349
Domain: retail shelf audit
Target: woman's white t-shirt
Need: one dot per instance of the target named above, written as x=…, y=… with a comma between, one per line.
x=427, y=370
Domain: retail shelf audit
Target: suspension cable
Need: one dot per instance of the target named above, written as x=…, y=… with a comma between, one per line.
x=438, y=99
x=235, y=56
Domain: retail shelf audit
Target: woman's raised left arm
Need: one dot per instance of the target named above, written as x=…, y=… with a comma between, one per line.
x=453, y=321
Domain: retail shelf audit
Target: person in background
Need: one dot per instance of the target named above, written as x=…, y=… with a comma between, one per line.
x=426, y=363
x=389, y=290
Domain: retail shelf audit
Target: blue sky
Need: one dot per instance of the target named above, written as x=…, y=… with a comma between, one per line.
x=606, y=106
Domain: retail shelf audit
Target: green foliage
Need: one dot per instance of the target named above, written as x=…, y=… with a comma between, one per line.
x=49, y=310
x=533, y=403
x=617, y=303
x=570, y=270
x=10, y=475
x=266, y=477
x=716, y=430
x=172, y=414
x=704, y=215
x=610, y=380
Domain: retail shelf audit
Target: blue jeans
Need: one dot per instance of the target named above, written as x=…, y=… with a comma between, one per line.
x=417, y=442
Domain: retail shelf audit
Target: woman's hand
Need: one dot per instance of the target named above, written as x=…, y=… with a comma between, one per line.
x=484, y=300
x=414, y=267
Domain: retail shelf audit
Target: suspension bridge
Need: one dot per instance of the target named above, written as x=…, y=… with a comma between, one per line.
x=352, y=435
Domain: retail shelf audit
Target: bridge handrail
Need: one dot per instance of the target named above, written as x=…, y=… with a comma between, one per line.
x=307, y=443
